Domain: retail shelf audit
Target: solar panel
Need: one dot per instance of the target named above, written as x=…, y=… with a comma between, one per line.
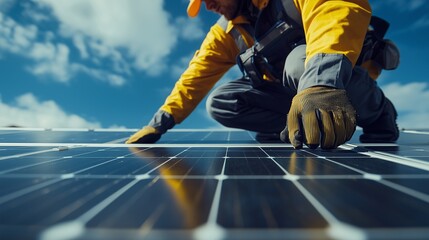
x=209, y=184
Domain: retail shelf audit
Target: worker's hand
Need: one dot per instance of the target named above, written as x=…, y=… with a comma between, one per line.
x=321, y=116
x=147, y=134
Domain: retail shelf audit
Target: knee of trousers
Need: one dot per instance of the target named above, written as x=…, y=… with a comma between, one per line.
x=366, y=97
x=217, y=109
x=226, y=103
x=209, y=106
x=294, y=67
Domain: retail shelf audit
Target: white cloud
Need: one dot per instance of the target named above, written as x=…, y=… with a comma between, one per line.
x=190, y=28
x=100, y=51
x=6, y=4
x=422, y=22
x=33, y=13
x=28, y=111
x=52, y=59
x=79, y=42
x=141, y=28
x=111, y=78
x=416, y=4
x=14, y=37
x=120, y=37
x=410, y=101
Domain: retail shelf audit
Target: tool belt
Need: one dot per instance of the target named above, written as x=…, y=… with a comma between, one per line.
x=382, y=51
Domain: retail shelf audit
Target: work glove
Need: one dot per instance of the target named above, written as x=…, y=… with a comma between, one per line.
x=147, y=134
x=320, y=116
x=160, y=123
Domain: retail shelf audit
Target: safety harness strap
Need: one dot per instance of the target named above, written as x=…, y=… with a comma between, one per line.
x=239, y=41
x=235, y=33
x=258, y=60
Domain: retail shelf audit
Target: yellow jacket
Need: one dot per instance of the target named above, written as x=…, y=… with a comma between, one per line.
x=331, y=27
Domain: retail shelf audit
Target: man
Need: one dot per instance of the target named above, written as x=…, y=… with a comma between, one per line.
x=302, y=80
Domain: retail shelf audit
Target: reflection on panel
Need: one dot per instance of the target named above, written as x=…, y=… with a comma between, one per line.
x=124, y=166
x=417, y=184
x=369, y=204
x=160, y=204
x=10, y=151
x=184, y=161
x=266, y=203
x=379, y=166
x=208, y=137
x=10, y=185
x=312, y=166
x=252, y=166
x=204, y=152
x=61, y=166
x=244, y=152
x=285, y=152
x=338, y=153
x=58, y=202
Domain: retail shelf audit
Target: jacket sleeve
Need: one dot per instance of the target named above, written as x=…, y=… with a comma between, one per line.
x=334, y=32
x=215, y=57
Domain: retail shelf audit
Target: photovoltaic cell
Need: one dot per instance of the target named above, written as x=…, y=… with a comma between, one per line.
x=309, y=166
x=58, y=202
x=350, y=200
x=416, y=184
x=209, y=184
x=378, y=166
x=252, y=166
x=266, y=203
x=149, y=203
x=8, y=185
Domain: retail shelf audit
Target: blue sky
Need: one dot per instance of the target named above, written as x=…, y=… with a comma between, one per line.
x=111, y=63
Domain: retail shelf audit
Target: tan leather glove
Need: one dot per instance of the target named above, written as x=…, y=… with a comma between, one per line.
x=147, y=134
x=321, y=116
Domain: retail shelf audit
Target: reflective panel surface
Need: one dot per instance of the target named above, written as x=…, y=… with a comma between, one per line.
x=209, y=184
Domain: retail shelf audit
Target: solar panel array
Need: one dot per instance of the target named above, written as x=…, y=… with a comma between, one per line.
x=209, y=184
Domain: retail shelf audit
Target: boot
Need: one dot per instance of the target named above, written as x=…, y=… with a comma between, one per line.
x=384, y=129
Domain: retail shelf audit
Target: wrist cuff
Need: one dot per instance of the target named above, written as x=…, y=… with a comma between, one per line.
x=330, y=70
x=162, y=121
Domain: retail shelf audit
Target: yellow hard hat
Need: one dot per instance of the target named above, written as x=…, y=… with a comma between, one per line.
x=194, y=8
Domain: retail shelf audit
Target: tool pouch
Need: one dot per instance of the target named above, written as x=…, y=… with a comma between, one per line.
x=382, y=51
x=387, y=55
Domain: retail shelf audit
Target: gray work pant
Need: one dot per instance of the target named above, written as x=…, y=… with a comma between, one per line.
x=237, y=104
